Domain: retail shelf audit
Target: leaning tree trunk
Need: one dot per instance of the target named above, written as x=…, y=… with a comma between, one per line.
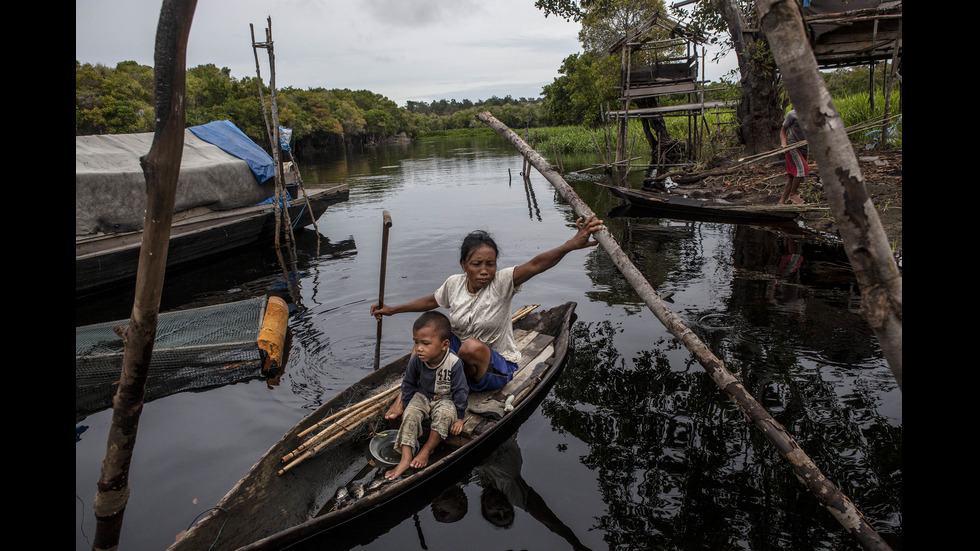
x=161, y=167
x=760, y=111
x=860, y=228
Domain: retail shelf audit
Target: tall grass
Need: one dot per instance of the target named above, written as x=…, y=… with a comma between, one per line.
x=856, y=108
x=721, y=133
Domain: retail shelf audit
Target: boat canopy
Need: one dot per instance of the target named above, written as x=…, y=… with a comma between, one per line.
x=221, y=168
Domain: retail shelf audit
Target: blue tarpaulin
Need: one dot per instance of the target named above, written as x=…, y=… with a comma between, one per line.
x=229, y=138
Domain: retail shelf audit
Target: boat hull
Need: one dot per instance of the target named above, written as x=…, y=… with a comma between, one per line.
x=266, y=510
x=650, y=204
x=109, y=261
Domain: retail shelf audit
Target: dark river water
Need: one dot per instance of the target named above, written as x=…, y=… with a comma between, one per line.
x=634, y=448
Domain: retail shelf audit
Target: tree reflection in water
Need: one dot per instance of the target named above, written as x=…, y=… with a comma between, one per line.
x=679, y=466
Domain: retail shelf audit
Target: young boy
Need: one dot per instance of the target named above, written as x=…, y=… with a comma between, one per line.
x=434, y=387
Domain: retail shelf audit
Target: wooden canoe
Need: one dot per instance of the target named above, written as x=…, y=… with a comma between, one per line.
x=272, y=509
x=703, y=210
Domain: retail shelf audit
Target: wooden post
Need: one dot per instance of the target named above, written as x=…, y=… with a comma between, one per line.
x=806, y=471
x=161, y=167
x=889, y=79
x=385, y=225
x=857, y=219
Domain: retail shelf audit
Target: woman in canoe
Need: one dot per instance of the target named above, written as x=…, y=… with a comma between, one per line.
x=479, y=303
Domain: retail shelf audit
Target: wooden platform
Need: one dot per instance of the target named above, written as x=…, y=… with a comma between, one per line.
x=681, y=109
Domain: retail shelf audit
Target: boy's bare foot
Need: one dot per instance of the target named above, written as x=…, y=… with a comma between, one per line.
x=420, y=460
x=796, y=200
x=402, y=465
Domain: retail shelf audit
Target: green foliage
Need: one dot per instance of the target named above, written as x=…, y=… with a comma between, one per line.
x=113, y=100
x=120, y=101
x=853, y=80
x=588, y=83
x=856, y=108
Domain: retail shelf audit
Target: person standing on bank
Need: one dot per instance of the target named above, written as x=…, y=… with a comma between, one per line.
x=479, y=303
x=796, y=159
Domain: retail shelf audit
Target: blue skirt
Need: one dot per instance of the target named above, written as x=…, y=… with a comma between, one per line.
x=498, y=374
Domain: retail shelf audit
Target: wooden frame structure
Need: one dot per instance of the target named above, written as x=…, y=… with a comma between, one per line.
x=842, y=34
x=669, y=74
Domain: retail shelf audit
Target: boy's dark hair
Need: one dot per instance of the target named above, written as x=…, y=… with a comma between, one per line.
x=475, y=240
x=436, y=320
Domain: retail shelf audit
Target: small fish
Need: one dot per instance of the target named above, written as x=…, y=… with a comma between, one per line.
x=376, y=483
x=356, y=490
x=341, y=494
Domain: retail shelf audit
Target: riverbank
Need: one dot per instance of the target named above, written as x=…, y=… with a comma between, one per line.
x=762, y=184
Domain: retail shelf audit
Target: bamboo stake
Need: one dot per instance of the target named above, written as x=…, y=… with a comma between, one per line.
x=839, y=505
x=336, y=426
x=525, y=310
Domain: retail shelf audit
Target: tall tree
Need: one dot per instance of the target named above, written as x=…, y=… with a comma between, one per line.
x=761, y=108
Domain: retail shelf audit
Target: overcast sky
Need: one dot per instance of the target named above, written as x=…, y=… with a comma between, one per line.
x=419, y=50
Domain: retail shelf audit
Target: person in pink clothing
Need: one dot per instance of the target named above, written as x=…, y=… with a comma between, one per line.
x=796, y=159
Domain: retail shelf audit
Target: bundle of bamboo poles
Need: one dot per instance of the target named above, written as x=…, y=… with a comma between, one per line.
x=336, y=425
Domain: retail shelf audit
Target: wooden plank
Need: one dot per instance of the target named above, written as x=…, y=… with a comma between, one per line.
x=661, y=90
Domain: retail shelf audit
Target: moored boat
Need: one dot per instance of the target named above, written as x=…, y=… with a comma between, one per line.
x=281, y=503
x=223, y=201
x=701, y=209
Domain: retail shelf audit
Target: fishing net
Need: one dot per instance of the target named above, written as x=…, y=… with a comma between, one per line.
x=194, y=349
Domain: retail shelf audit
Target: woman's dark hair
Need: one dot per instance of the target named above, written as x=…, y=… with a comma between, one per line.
x=475, y=240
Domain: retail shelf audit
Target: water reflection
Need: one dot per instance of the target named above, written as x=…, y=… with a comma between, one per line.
x=679, y=467
x=503, y=488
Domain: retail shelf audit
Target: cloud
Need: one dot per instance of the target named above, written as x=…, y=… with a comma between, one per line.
x=419, y=50
x=423, y=13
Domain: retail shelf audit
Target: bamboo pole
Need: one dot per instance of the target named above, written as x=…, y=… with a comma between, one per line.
x=523, y=311
x=339, y=426
x=283, y=224
x=308, y=453
x=385, y=226
x=803, y=467
x=359, y=405
x=161, y=168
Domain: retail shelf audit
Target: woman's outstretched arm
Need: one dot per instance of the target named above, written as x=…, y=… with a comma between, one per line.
x=423, y=304
x=549, y=259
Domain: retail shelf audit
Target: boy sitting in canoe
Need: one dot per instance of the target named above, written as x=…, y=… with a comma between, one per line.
x=434, y=387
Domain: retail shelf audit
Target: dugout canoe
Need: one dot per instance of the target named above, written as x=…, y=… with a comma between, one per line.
x=280, y=505
x=689, y=208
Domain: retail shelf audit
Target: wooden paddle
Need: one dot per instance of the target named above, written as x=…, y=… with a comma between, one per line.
x=386, y=223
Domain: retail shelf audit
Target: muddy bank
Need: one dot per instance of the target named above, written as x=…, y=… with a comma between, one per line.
x=762, y=183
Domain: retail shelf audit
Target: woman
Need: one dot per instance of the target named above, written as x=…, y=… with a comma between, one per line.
x=479, y=301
